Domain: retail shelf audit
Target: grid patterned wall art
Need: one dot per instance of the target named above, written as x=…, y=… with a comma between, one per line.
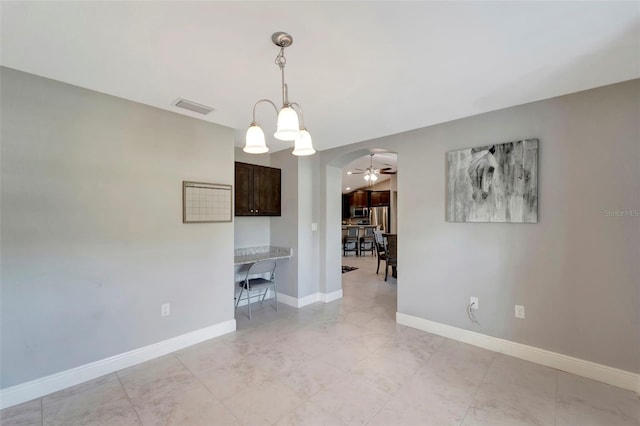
x=206, y=202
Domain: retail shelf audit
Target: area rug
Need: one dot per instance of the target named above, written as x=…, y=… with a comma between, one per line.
x=348, y=268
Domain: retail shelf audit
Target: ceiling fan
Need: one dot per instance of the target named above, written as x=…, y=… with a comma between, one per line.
x=371, y=173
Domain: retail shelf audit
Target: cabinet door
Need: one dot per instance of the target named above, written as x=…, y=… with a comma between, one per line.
x=360, y=199
x=266, y=191
x=244, y=190
x=346, y=211
x=380, y=198
x=375, y=198
x=385, y=198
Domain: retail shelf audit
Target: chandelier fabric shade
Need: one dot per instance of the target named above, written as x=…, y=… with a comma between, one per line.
x=290, y=126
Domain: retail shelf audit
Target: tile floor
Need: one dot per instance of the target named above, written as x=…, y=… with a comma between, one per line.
x=342, y=363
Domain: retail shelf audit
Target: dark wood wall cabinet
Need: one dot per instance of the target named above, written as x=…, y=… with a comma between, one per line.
x=380, y=198
x=258, y=190
x=359, y=199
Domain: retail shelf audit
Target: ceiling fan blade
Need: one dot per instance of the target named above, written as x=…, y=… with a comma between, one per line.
x=388, y=172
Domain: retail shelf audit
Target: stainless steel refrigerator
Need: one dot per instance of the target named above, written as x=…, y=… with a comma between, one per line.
x=380, y=216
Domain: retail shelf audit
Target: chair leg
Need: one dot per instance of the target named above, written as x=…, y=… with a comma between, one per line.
x=386, y=270
x=378, y=268
x=275, y=294
x=239, y=297
x=249, y=301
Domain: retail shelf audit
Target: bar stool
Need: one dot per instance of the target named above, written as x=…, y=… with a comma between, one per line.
x=367, y=241
x=350, y=241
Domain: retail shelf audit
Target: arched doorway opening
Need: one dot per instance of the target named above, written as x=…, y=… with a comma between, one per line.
x=363, y=204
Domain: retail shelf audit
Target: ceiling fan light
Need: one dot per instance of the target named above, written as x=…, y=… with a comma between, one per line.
x=254, y=141
x=373, y=177
x=288, y=125
x=303, y=144
x=367, y=177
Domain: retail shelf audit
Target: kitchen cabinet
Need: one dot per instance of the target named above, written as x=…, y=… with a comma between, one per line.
x=258, y=190
x=359, y=199
x=380, y=198
x=346, y=207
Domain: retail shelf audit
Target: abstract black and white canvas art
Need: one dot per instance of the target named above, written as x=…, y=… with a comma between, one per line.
x=493, y=183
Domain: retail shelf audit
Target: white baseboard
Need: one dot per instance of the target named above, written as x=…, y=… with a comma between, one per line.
x=40, y=387
x=308, y=300
x=602, y=373
x=288, y=300
x=330, y=297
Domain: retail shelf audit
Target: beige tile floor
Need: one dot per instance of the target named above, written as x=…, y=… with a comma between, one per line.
x=342, y=363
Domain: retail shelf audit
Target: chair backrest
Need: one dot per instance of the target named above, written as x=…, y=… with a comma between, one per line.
x=369, y=230
x=352, y=231
x=379, y=243
x=379, y=238
x=392, y=246
x=262, y=267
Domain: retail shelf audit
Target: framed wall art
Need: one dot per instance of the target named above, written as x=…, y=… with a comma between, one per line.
x=493, y=183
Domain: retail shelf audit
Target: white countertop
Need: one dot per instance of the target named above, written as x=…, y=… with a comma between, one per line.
x=244, y=256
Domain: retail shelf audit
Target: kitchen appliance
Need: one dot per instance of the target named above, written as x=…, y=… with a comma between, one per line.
x=380, y=216
x=360, y=212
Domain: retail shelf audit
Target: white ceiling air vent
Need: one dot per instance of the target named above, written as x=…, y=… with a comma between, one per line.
x=192, y=106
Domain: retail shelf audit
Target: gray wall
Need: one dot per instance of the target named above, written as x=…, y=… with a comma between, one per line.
x=284, y=229
x=307, y=238
x=297, y=277
x=92, y=234
x=576, y=271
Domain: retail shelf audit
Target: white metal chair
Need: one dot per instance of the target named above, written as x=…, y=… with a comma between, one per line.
x=253, y=283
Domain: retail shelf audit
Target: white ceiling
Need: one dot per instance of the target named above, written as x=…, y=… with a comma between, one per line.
x=361, y=70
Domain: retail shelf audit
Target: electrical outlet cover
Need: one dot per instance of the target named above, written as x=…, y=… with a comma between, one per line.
x=475, y=304
x=520, y=311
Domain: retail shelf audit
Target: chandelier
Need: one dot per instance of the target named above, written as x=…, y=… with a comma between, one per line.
x=288, y=127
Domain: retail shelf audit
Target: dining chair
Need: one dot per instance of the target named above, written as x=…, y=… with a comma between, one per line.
x=380, y=247
x=255, y=281
x=392, y=255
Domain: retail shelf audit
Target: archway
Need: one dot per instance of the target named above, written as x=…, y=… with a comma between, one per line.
x=332, y=196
